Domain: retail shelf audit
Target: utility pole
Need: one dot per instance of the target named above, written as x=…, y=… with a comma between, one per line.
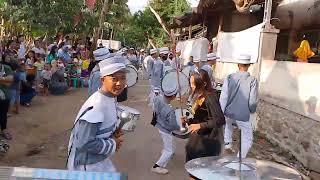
x=267, y=13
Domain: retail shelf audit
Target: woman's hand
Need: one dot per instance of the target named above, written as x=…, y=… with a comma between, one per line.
x=194, y=127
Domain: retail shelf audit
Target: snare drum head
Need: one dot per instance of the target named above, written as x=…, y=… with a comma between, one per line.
x=132, y=76
x=170, y=79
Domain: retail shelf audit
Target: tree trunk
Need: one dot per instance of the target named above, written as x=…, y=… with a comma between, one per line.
x=96, y=33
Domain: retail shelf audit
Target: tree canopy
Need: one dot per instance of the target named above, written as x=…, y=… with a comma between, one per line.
x=47, y=17
x=144, y=25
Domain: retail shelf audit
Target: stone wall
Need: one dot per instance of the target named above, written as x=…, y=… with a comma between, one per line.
x=298, y=134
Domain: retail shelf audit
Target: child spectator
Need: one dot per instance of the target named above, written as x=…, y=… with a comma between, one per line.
x=166, y=123
x=46, y=77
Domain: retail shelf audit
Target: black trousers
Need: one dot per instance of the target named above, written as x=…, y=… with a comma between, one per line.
x=4, y=108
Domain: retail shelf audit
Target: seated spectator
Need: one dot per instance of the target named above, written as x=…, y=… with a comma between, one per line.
x=58, y=84
x=46, y=77
x=31, y=71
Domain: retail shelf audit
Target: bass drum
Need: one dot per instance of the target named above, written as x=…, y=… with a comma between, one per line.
x=132, y=76
x=171, y=79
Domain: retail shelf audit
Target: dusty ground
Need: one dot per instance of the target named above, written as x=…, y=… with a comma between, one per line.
x=41, y=134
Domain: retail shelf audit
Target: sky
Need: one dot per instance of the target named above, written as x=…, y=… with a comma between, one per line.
x=136, y=5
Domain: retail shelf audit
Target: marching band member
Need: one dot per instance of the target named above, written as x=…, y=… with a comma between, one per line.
x=166, y=123
x=174, y=64
x=148, y=61
x=94, y=79
x=239, y=99
x=164, y=52
x=156, y=73
x=95, y=137
x=209, y=67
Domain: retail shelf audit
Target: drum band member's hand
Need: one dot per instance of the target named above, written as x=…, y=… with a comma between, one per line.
x=183, y=120
x=118, y=133
x=119, y=141
x=194, y=127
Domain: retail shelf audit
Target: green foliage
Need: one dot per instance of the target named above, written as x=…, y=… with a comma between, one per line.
x=40, y=17
x=144, y=25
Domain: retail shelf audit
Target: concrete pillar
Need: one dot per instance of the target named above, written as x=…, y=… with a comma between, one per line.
x=268, y=43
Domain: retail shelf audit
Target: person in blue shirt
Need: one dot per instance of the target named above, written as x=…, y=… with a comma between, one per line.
x=64, y=54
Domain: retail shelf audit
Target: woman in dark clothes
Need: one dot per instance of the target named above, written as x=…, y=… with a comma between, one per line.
x=206, y=135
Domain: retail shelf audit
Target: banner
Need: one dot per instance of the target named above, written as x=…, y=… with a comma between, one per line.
x=198, y=48
x=231, y=45
x=111, y=44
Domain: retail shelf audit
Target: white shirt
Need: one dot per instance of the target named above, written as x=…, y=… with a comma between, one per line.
x=22, y=51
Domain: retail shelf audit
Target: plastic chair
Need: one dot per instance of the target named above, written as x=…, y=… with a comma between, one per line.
x=74, y=81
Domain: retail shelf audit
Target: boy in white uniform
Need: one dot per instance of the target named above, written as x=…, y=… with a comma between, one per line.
x=166, y=123
x=95, y=135
x=238, y=100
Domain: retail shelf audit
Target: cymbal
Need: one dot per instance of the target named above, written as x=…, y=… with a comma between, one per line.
x=227, y=168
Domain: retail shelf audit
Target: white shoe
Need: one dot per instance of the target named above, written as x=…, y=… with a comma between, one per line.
x=160, y=170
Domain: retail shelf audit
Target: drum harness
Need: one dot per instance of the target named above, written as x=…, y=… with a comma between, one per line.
x=82, y=114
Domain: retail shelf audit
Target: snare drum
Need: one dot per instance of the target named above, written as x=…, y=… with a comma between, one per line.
x=132, y=75
x=170, y=79
x=184, y=131
x=128, y=117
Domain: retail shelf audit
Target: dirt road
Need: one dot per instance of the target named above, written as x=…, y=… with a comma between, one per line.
x=41, y=135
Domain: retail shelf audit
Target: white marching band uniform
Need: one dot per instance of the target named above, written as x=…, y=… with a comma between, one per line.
x=210, y=69
x=91, y=144
x=238, y=100
x=166, y=123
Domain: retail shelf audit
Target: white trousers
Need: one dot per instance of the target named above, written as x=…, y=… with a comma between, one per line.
x=103, y=166
x=168, y=149
x=246, y=135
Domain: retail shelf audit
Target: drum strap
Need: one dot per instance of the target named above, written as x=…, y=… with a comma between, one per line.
x=82, y=114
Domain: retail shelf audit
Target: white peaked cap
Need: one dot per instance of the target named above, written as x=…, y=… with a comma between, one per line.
x=164, y=50
x=244, y=59
x=101, y=54
x=111, y=66
x=170, y=91
x=153, y=51
x=208, y=69
x=212, y=56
